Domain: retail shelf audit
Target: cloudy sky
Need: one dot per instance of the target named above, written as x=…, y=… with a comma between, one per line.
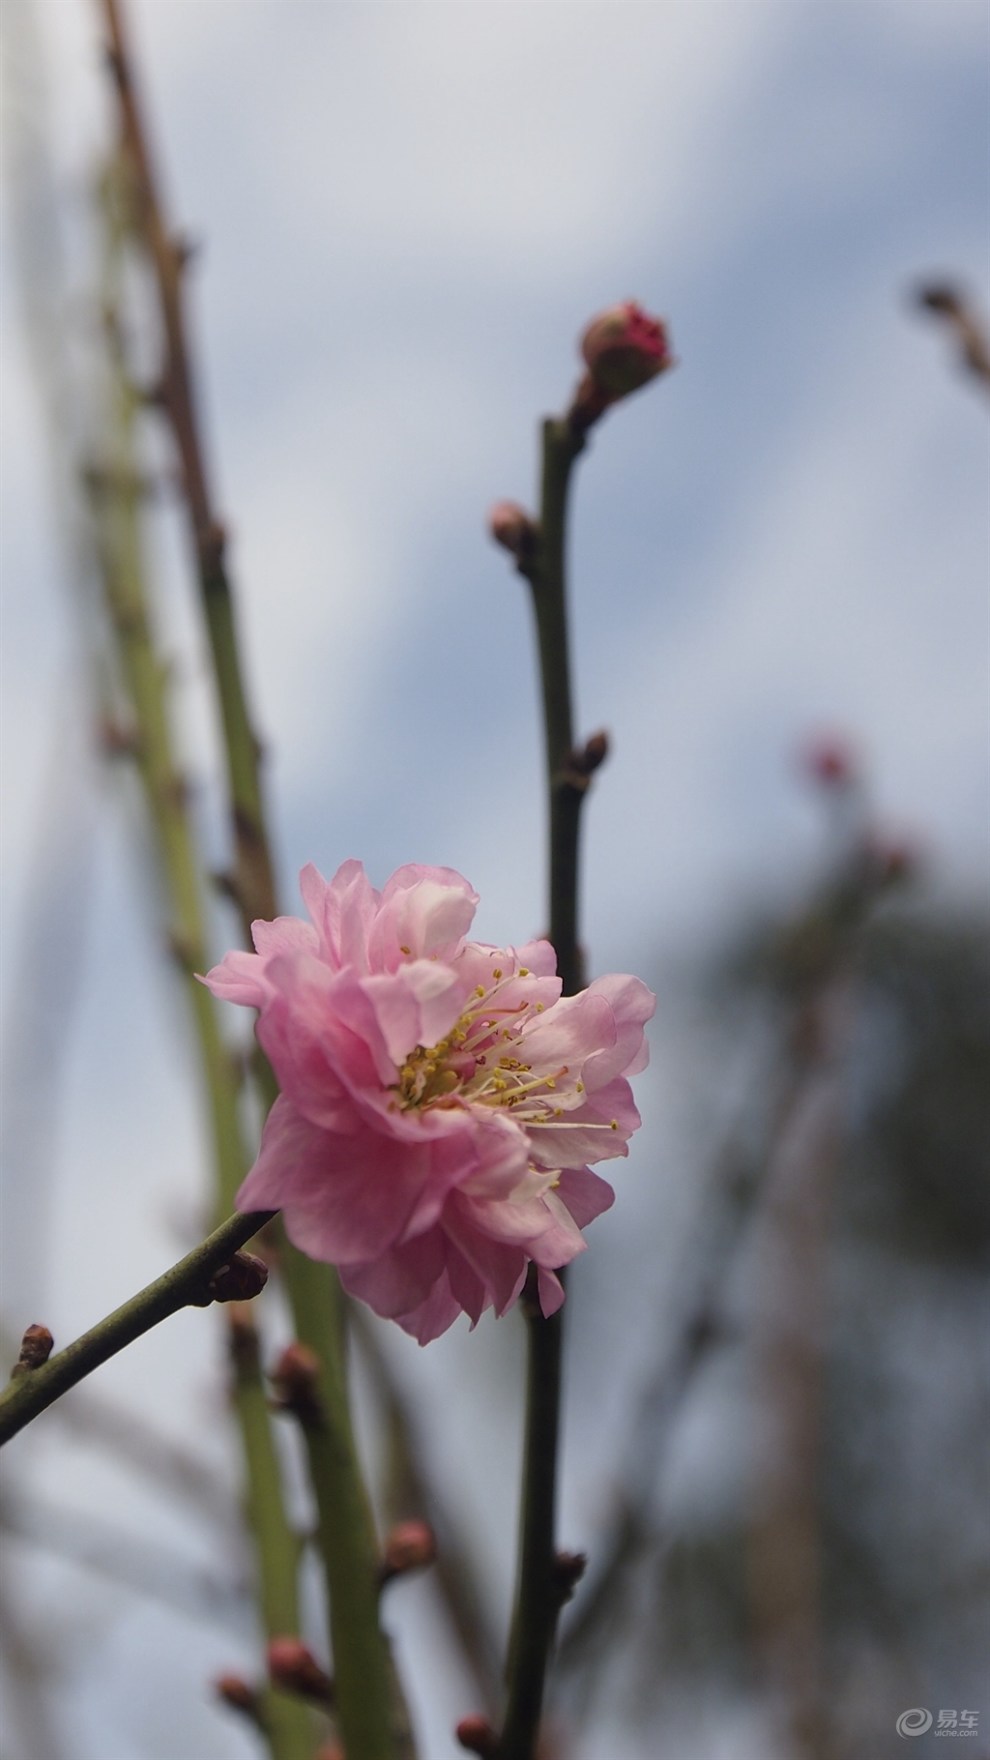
x=407, y=214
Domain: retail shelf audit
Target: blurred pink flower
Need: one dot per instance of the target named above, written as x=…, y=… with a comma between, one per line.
x=439, y=1098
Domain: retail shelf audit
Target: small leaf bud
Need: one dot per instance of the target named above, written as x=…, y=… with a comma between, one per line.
x=476, y=1734
x=830, y=761
x=568, y=1569
x=36, y=1348
x=293, y=1667
x=243, y=1278
x=239, y=1695
x=410, y=1546
x=512, y=527
x=295, y=1381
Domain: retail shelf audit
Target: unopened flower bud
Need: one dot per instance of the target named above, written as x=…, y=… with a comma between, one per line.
x=624, y=348
x=512, y=527
x=476, y=1734
x=296, y=1383
x=892, y=861
x=293, y=1667
x=830, y=760
x=36, y=1348
x=568, y=1569
x=243, y=1278
x=239, y=1694
x=410, y=1546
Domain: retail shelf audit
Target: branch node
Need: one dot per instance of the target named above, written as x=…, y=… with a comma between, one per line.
x=239, y=1694
x=568, y=1569
x=409, y=1546
x=476, y=1734
x=295, y=1382
x=293, y=1667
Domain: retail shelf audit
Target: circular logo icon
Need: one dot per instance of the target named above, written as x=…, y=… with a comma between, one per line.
x=914, y=1723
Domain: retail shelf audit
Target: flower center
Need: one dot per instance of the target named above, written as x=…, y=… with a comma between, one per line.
x=474, y=1062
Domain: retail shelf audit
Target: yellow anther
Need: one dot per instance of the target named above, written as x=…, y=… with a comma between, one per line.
x=614, y=1124
x=405, y=950
x=540, y=1007
x=479, y=990
x=497, y=972
x=523, y=972
x=579, y=1087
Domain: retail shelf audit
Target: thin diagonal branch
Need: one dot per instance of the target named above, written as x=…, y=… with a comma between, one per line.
x=186, y=1284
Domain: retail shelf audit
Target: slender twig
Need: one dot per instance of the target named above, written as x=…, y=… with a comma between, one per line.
x=186, y=1284
x=253, y=874
x=538, y=1593
x=951, y=306
x=115, y=487
x=116, y=493
x=410, y=1492
x=366, y=1692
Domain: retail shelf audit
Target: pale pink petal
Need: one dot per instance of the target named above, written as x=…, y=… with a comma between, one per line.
x=343, y=910
x=503, y=1155
x=585, y=1195
x=425, y=912
x=284, y=935
x=551, y=1292
x=433, y=1316
x=569, y=1032
x=499, y=1266
x=238, y=978
x=415, y=1005
x=401, y=1279
x=632, y=1005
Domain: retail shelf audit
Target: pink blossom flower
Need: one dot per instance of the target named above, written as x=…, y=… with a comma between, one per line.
x=439, y=1099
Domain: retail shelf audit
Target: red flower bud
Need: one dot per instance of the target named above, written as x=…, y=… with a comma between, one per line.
x=296, y=1381
x=475, y=1733
x=408, y=1547
x=625, y=348
x=511, y=526
x=830, y=760
x=892, y=860
x=36, y=1348
x=293, y=1667
x=240, y=1280
x=239, y=1695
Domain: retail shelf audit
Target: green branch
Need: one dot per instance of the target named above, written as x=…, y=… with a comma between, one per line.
x=117, y=495
x=368, y=1703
